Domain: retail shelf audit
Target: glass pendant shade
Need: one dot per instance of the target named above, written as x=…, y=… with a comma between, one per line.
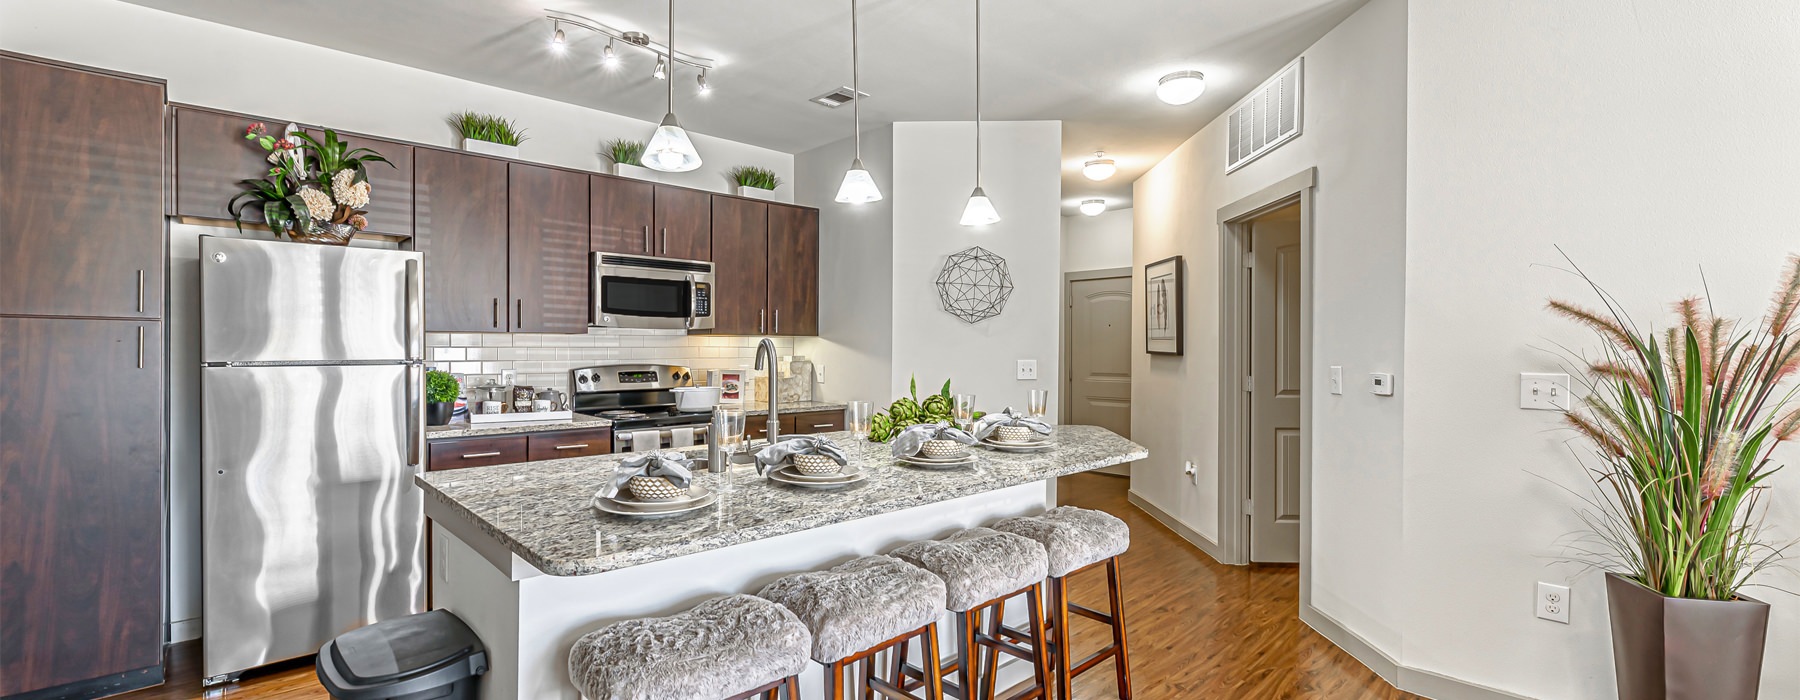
x=858, y=187
x=980, y=211
x=670, y=150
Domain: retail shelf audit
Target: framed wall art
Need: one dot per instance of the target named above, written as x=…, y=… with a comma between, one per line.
x=1164, y=313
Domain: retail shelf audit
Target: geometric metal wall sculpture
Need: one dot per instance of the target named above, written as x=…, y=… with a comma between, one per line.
x=974, y=285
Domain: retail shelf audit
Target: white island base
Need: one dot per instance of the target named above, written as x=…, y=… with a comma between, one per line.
x=530, y=620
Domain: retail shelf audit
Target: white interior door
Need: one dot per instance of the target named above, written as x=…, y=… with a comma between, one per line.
x=1099, y=375
x=1275, y=306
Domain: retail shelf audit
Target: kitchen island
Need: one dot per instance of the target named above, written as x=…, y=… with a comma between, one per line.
x=519, y=553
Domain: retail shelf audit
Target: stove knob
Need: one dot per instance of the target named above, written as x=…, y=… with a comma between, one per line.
x=681, y=377
x=581, y=379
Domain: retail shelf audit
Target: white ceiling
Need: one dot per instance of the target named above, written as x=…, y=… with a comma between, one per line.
x=1091, y=64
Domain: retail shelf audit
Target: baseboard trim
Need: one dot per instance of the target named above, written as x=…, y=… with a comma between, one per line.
x=1412, y=680
x=184, y=630
x=1181, y=529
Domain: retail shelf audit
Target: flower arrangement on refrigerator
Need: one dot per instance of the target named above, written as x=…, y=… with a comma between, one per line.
x=317, y=187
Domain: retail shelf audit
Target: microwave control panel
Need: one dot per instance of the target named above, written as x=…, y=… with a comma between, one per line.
x=702, y=299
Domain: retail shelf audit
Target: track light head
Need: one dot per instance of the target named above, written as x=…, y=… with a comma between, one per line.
x=607, y=57
x=557, y=40
x=662, y=69
x=701, y=79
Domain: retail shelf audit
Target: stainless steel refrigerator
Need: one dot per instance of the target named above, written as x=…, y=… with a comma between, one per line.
x=312, y=428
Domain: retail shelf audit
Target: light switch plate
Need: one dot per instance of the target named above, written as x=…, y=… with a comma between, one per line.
x=1543, y=391
x=1381, y=383
x=1028, y=369
x=1337, y=380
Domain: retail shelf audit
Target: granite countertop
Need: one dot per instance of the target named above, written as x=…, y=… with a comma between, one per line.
x=797, y=407
x=540, y=510
x=462, y=428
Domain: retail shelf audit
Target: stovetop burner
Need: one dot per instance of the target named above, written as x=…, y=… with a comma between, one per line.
x=621, y=415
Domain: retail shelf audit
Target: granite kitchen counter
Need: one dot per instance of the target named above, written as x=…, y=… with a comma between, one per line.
x=798, y=407
x=462, y=428
x=540, y=510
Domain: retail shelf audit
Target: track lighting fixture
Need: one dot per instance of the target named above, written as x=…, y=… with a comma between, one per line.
x=607, y=57
x=1100, y=168
x=701, y=79
x=557, y=40
x=667, y=59
x=662, y=70
x=1093, y=207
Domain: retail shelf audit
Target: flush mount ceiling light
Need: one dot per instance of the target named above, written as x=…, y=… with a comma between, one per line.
x=858, y=186
x=980, y=211
x=1100, y=168
x=670, y=150
x=1093, y=207
x=1181, y=87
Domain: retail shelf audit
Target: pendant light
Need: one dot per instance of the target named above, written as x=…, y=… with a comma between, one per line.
x=858, y=187
x=980, y=210
x=669, y=149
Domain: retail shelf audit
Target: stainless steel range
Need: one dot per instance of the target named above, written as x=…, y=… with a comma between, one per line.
x=640, y=401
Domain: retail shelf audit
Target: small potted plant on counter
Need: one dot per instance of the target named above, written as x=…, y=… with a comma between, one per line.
x=441, y=390
x=752, y=181
x=627, y=156
x=317, y=189
x=488, y=133
x=1683, y=423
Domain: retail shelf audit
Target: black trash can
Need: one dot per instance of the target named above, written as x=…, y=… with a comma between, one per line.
x=426, y=656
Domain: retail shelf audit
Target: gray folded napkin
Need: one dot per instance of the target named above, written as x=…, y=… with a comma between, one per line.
x=789, y=445
x=674, y=466
x=988, y=423
x=909, y=441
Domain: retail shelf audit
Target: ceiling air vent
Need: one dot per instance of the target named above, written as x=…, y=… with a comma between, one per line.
x=1269, y=117
x=839, y=97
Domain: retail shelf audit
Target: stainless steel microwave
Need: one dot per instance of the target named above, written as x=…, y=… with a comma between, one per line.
x=640, y=292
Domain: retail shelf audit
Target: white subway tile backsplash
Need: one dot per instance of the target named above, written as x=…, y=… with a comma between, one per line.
x=437, y=340
x=544, y=360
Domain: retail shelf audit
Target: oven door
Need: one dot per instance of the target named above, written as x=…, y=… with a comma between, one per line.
x=629, y=296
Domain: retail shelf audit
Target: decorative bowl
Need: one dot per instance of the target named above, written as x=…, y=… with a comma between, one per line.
x=1013, y=433
x=653, y=488
x=816, y=465
x=941, y=449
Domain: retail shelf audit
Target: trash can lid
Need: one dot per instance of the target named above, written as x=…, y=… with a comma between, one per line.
x=395, y=649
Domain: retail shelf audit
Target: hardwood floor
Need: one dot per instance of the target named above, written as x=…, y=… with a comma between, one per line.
x=1198, y=629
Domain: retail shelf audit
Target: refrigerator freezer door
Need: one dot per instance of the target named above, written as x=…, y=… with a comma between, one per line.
x=311, y=522
x=266, y=301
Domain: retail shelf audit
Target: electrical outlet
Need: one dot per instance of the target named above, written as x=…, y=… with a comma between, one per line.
x=1337, y=380
x=818, y=372
x=1543, y=392
x=1028, y=369
x=1552, y=602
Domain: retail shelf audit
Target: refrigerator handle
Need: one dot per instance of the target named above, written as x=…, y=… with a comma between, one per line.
x=415, y=330
x=415, y=416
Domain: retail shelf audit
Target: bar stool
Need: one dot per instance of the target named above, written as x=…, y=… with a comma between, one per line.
x=861, y=608
x=981, y=569
x=1078, y=539
x=734, y=648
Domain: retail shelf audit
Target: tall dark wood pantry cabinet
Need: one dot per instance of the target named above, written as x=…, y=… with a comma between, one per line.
x=81, y=380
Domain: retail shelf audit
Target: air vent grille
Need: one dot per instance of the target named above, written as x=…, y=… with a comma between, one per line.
x=1269, y=117
x=839, y=97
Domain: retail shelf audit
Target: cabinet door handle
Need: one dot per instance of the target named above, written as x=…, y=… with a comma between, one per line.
x=824, y=425
x=665, y=240
x=571, y=447
x=778, y=320
x=140, y=292
x=519, y=318
x=496, y=312
x=647, y=238
x=762, y=317
x=479, y=455
x=140, y=348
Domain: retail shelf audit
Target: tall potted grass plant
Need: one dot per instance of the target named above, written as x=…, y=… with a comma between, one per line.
x=1684, y=422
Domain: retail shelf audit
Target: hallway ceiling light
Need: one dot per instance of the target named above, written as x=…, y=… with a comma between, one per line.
x=1093, y=207
x=980, y=210
x=1100, y=168
x=858, y=186
x=1181, y=87
x=670, y=150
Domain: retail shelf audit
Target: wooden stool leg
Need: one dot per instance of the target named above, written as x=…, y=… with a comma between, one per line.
x=990, y=657
x=793, y=688
x=865, y=688
x=834, y=681
x=934, y=670
x=966, y=624
x=1040, y=659
x=1059, y=621
x=1121, y=668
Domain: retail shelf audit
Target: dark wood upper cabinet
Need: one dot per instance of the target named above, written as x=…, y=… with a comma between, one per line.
x=81, y=192
x=81, y=407
x=547, y=249
x=390, y=189
x=740, y=239
x=623, y=215
x=683, y=223
x=460, y=219
x=793, y=270
x=212, y=157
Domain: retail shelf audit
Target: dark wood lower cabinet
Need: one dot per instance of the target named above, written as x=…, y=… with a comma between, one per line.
x=81, y=498
x=461, y=453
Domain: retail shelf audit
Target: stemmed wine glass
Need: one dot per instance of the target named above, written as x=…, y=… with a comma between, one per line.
x=731, y=438
x=964, y=406
x=860, y=415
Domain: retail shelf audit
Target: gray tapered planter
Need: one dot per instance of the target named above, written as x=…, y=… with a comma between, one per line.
x=1684, y=649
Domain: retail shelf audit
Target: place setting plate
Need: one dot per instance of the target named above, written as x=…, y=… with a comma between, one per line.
x=623, y=504
x=966, y=459
x=1030, y=446
x=788, y=474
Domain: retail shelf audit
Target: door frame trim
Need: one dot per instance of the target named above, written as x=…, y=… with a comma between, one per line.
x=1066, y=348
x=1234, y=365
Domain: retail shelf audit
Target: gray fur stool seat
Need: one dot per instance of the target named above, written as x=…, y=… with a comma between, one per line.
x=721, y=648
x=859, y=608
x=979, y=564
x=1074, y=537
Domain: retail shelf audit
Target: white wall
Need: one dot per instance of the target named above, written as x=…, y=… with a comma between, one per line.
x=1649, y=140
x=1097, y=242
x=856, y=334
x=1021, y=166
x=228, y=68
x=1354, y=134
